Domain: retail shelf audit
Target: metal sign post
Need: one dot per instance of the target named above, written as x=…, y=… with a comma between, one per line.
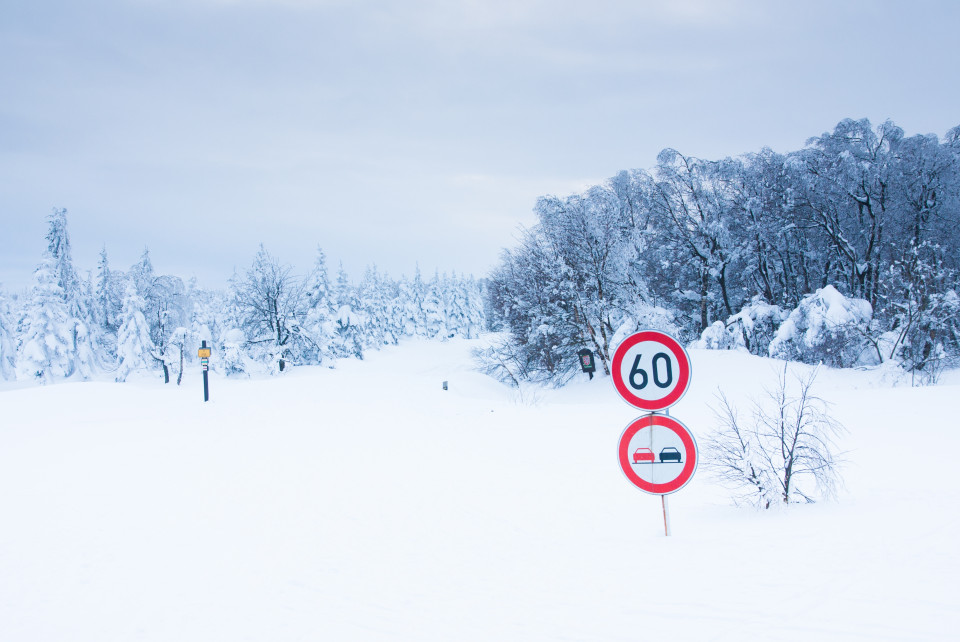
x=666, y=516
x=204, y=354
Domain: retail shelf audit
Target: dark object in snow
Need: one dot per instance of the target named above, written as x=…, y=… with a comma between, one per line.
x=587, y=363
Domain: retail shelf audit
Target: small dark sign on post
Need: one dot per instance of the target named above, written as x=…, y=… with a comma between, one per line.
x=204, y=354
x=587, y=364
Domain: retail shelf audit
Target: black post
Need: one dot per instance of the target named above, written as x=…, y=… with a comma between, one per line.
x=206, y=383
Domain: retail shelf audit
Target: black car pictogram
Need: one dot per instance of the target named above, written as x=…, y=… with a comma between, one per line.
x=670, y=454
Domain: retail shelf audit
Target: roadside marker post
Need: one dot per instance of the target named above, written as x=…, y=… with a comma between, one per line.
x=204, y=354
x=656, y=453
x=587, y=362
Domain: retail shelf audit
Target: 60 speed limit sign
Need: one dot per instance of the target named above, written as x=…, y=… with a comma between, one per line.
x=651, y=370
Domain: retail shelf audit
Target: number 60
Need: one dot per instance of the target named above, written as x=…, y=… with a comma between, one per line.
x=665, y=382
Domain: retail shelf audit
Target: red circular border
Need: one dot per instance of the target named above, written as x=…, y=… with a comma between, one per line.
x=692, y=455
x=683, y=379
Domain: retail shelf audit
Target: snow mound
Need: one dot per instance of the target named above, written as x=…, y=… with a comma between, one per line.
x=827, y=326
x=752, y=329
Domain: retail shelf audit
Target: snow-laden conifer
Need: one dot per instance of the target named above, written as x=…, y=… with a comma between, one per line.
x=377, y=298
x=86, y=350
x=109, y=300
x=47, y=330
x=134, y=346
x=412, y=293
x=58, y=250
x=319, y=323
x=349, y=322
x=435, y=308
x=7, y=346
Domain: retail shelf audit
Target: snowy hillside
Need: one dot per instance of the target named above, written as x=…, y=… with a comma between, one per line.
x=367, y=503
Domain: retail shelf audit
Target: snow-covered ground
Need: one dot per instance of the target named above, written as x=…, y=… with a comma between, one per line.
x=367, y=503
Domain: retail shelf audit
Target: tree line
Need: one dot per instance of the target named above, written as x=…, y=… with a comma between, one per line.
x=725, y=251
x=121, y=322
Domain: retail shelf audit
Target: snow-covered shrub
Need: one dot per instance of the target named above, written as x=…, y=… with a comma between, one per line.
x=718, y=336
x=756, y=325
x=751, y=329
x=503, y=360
x=826, y=327
x=234, y=363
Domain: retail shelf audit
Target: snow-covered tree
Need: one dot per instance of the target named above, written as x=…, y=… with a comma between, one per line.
x=411, y=296
x=47, y=341
x=141, y=275
x=7, y=344
x=925, y=310
x=464, y=307
x=177, y=355
x=435, y=308
x=475, y=320
x=348, y=329
x=58, y=250
x=135, y=349
x=169, y=309
x=214, y=312
x=272, y=305
x=107, y=294
x=77, y=294
x=320, y=318
x=377, y=298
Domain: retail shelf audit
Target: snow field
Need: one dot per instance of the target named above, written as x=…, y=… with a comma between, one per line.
x=366, y=503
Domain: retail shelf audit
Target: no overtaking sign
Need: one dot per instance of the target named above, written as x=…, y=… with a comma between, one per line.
x=657, y=454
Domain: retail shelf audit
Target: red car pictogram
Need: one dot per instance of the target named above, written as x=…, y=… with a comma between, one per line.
x=643, y=454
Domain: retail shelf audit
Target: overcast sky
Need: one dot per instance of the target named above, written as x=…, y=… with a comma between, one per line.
x=411, y=131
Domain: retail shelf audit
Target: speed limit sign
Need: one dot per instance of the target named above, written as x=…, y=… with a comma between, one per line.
x=651, y=370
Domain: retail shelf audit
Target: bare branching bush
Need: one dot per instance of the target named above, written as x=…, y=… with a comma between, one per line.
x=784, y=452
x=501, y=363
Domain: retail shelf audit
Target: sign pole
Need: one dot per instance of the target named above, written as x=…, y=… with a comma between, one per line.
x=663, y=499
x=204, y=354
x=666, y=516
